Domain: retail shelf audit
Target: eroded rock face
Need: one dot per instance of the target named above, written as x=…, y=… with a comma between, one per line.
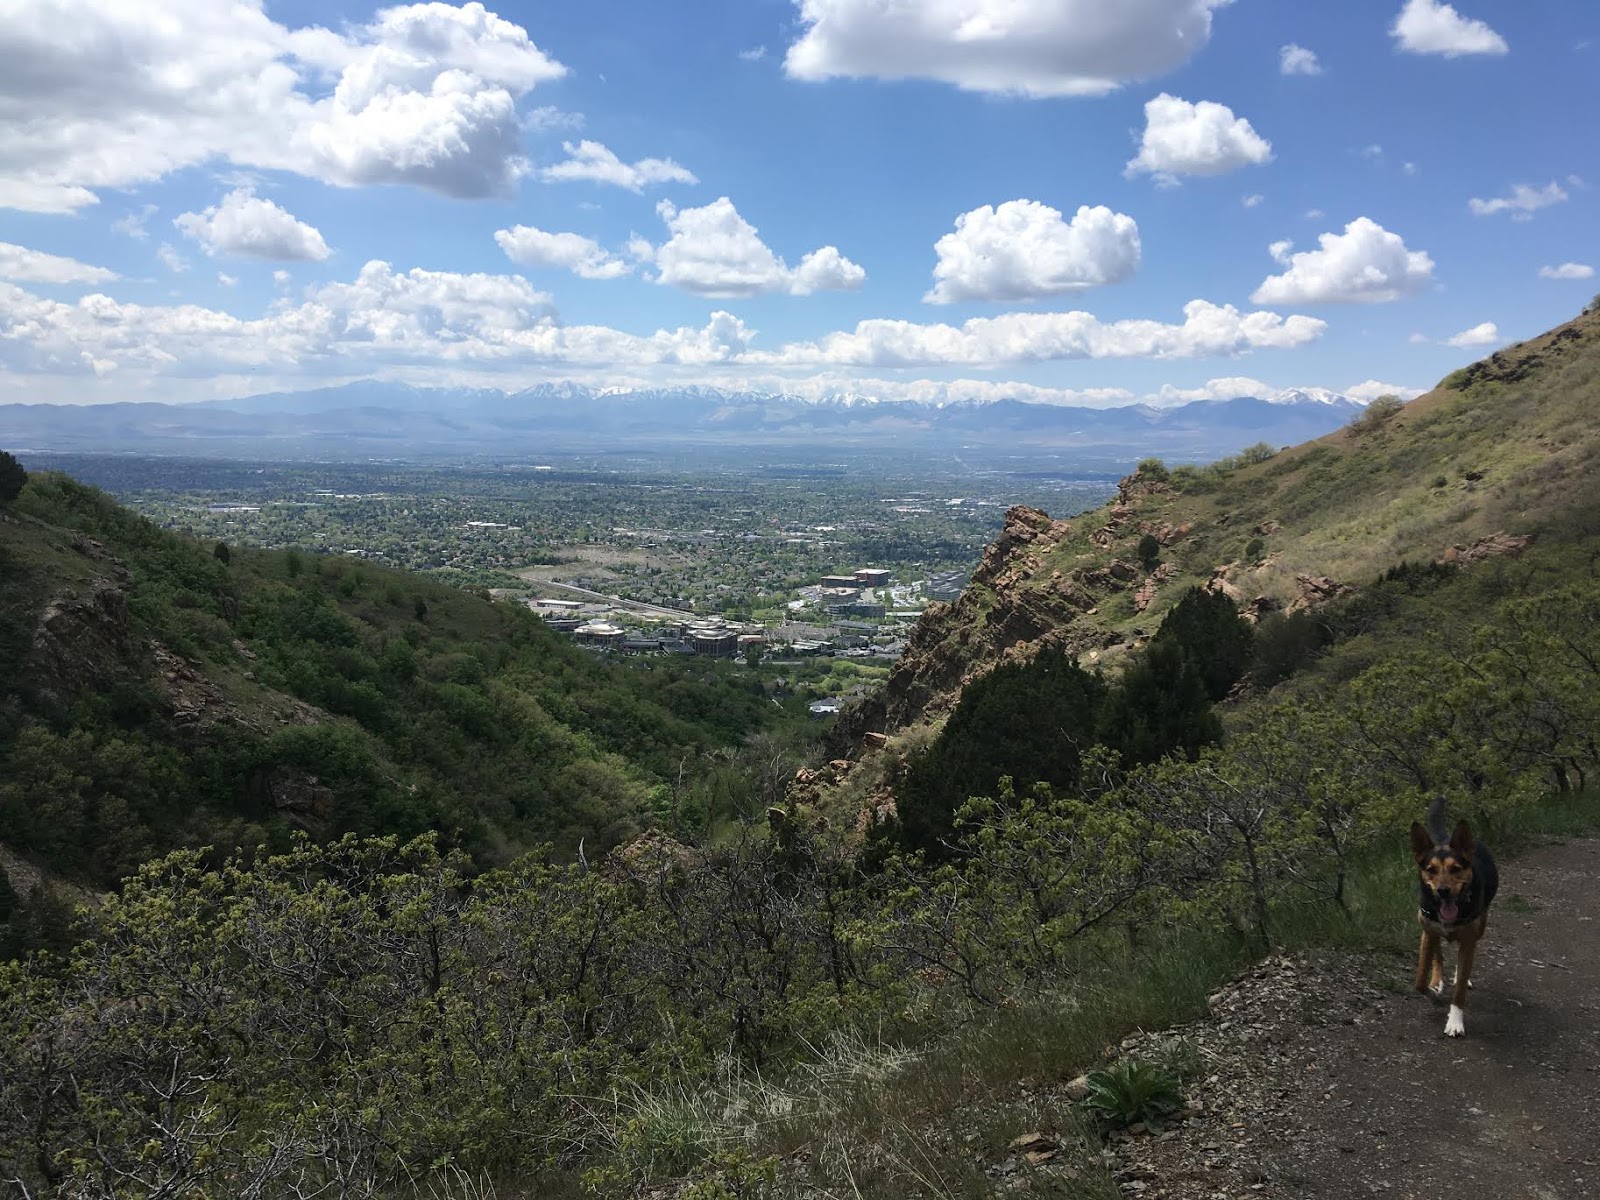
x=81, y=643
x=301, y=798
x=1317, y=590
x=1011, y=612
x=1496, y=545
x=1166, y=532
x=1221, y=581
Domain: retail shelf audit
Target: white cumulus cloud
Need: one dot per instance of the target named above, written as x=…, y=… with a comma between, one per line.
x=1297, y=60
x=35, y=266
x=1024, y=250
x=100, y=94
x=1207, y=329
x=441, y=326
x=1567, y=270
x=244, y=225
x=171, y=259
x=1431, y=27
x=1366, y=264
x=1020, y=47
x=584, y=257
x=1370, y=390
x=593, y=162
x=1230, y=388
x=1522, y=203
x=1181, y=138
x=713, y=251
x=1485, y=334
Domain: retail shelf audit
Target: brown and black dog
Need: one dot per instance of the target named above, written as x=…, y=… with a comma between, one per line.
x=1458, y=882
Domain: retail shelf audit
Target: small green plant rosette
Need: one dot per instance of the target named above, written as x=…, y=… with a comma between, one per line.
x=1130, y=1092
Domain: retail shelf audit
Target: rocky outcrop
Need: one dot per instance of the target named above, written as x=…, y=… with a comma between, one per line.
x=1496, y=545
x=300, y=798
x=1165, y=532
x=81, y=643
x=1145, y=596
x=1221, y=581
x=1010, y=609
x=1007, y=559
x=1317, y=590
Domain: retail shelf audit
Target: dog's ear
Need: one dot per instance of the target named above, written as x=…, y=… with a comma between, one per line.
x=1461, y=840
x=1421, y=843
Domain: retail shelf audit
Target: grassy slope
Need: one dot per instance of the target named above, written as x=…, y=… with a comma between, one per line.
x=1504, y=447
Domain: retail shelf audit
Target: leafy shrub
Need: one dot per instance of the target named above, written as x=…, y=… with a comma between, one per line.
x=1285, y=644
x=1377, y=414
x=1153, y=469
x=1258, y=453
x=1133, y=1091
x=1149, y=552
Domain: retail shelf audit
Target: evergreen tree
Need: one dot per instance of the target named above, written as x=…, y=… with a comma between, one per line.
x=12, y=478
x=10, y=918
x=1209, y=630
x=1159, y=708
x=1149, y=552
x=1028, y=721
x=222, y=554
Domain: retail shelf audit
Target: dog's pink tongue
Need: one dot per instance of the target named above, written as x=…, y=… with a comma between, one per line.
x=1448, y=910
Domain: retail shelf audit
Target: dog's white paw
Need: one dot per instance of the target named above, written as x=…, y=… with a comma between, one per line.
x=1456, y=1026
x=1438, y=989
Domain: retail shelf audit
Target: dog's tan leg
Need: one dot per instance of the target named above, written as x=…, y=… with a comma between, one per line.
x=1427, y=958
x=1456, y=1026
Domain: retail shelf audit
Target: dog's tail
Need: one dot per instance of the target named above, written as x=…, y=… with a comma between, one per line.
x=1436, y=822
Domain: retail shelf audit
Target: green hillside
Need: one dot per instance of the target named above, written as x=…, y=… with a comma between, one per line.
x=1498, y=459
x=156, y=696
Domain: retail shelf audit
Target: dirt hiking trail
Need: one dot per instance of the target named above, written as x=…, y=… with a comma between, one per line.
x=1327, y=1076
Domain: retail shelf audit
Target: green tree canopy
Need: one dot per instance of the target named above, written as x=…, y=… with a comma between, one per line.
x=1209, y=629
x=1031, y=722
x=12, y=478
x=1159, y=708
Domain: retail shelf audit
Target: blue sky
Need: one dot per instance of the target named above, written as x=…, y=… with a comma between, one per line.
x=1084, y=201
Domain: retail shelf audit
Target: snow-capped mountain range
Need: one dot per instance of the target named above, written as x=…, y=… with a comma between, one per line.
x=372, y=417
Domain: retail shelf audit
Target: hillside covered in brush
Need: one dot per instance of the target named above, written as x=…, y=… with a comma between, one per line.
x=158, y=692
x=1500, y=457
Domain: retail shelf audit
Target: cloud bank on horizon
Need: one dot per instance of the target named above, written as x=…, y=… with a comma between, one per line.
x=1075, y=199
